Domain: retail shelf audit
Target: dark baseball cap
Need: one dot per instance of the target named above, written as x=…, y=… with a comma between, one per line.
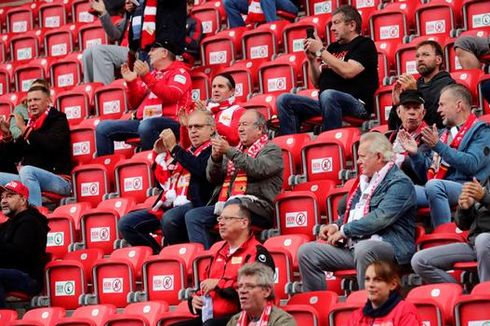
x=166, y=44
x=411, y=96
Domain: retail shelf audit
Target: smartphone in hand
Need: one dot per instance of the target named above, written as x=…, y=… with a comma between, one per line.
x=310, y=32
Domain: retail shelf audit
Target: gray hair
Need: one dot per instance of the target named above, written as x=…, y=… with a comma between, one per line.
x=260, y=122
x=263, y=274
x=207, y=114
x=378, y=143
x=459, y=92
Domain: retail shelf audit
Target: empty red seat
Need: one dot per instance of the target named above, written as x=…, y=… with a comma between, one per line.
x=89, y=316
x=475, y=15
x=41, y=316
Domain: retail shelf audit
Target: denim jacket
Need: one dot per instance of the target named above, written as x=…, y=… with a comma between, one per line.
x=471, y=159
x=391, y=215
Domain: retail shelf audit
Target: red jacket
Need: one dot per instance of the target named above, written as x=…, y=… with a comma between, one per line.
x=225, y=268
x=227, y=123
x=404, y=314
x=167, y=90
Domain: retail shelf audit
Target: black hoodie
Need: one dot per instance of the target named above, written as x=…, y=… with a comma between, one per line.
x=23, y=243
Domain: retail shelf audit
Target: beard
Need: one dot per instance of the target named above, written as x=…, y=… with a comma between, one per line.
x=425, y=70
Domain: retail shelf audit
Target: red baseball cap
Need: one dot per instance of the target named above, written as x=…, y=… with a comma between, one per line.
x=17, y=187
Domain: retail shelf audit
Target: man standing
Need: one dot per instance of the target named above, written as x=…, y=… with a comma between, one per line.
x=460, y=152
x=22, y=243
x=217, y=298
x=182, y=174
x=157, y=96
x=250, y=172
x=346, y=73
x=432, y=79
x=256, y=293
x=473, y=215
x=378, y=223
x=43, y=150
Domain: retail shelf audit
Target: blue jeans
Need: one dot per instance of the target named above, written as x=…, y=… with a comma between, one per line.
x=234, y=9
x=439, y=195
x=198, y=221
x=173, y=224
x=136, y=227
x=485, y=90
x=16, y=280
x=38, y=180
x=148, y=130
x=332, y=105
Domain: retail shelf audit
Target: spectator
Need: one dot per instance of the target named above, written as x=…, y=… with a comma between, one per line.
x=346, y=73
x=257, y=10
x=472, y=52
x=252, y=172
x=43, y=150
x=385, y=305
x=460, y=152
x=22, y=243
x=100, y=61
x=378, y=222
x=256, y=293
x=182, y=174
x=158, y=96
x=223, y=105
x=411, y=112
x=193, y=37
x=432, y=79
x=473, y=215
x=217, y=299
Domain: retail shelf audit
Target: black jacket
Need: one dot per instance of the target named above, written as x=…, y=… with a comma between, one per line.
x=200, y=190
x=48, y=148
x=430, y=91
x=477, y=218
x=23, y=243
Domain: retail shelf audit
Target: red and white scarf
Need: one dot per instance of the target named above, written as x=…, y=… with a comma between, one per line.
x=149, y=23
x=367, y=189
x=243, y=320
x=439, y=168
x=216, y=107
x=238, y=184
x=400, y=152
x=173, y=178
x=255, y=13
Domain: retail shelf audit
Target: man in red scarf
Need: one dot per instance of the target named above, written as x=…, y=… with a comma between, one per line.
x=182, y=175
x=378, y=222
x=459, y=153
x=43, y=150
x=256, y=293
x=250, y=173
x=216, y=298
x=222, y=104
x=157, y=97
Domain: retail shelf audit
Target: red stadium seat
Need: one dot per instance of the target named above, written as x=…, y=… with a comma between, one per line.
x=99, y=226
x=321, y=189
x=139, y=314
x=111, y=100
x=134, y=177
x=25, y=46
x=341, y=312
x=78, y=102
x=222, y=48
x=265, y=41
x=333, y=199
x=295, y=33
x=435, y=302
x=210, y=15
x=20, y=19
x=92, y=34
x=437, y=17
x=60, y=41
x=470, y=79
x=41, y=316
x=83, y=141
x=89, y=316
x=201, y=86
x=66, y=72
x=317, y=7
x=74, y=210
x=61, y=235
x=297, y=212
x=322, y=301
x=181, y=313
x=280, y=75
x=52, y=15
x=303, y=314
x=475, y=15
x=80, y=12
x=87, y=257
x=384, y=103
x=244, y=80
x=391, y=23
x=7, y=315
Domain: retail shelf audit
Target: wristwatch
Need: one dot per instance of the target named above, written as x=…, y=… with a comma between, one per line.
x=319, y=52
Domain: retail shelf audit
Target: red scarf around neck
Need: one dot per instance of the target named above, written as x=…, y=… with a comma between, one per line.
x=243, y=320
x=240, y=180
x=37, y=123
x=223, y=105
x=148, y=28
x=438, y=169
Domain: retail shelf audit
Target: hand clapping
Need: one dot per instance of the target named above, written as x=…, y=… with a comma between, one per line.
x=219, y=147
x=430, y=136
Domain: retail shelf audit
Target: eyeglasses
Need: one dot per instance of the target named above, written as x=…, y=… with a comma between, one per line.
x=249, y=287
x=197, y=126
x=228, y=218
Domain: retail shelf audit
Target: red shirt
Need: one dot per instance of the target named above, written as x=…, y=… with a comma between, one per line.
x=403, y=314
